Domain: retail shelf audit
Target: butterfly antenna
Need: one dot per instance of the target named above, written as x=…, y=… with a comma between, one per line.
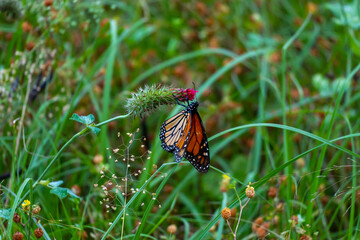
x=194, y=90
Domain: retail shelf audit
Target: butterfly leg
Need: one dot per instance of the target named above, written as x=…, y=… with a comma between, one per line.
x=177, y=102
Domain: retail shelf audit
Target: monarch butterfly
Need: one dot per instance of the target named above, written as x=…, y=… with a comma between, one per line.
x=184, y=135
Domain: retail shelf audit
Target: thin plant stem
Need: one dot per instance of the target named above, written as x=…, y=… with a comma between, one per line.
x=81, y=133
x=21, y=125
x=240, y=213
x=266, y=178
x=227, y=221
x=237, y=224
x=134, y=197
x=289, y=169
x=241, y=209
x=152, y=201
x=112, y=119
x=221, y=222
x=31, y=204
x=125, y=198
x=13, y=167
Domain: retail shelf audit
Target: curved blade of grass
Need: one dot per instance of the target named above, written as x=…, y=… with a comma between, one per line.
x=85, y=130
x=198, y=234
x=288, y=171
x=118, y=217
x=256, y=150
x=265, y=179
x=141, y=235
x=272, y=115
x=79, y=92
x=195, y=54
x=174, y=193
x=111, y=61
x=224, y=173
x=221, y=223
x=148, y=209
x=353, y=189
x=45, y=235
x=310, y=135
x=192, y=208
x=277, y=170
x=31, y=204
x=187, y=228
x=109, y=71
x=163, y=217
x=15, y=205
x=104, y=113
x=230, y=65
x=327, y=127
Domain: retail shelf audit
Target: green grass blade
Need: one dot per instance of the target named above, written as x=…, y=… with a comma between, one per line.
x=17, y=201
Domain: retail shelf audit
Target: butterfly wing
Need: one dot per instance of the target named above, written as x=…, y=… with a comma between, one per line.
x=197, y=148
x=174, y=133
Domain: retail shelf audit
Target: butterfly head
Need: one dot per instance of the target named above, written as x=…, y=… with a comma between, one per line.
x=193, y=106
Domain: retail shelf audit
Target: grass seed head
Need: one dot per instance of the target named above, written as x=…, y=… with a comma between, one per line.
x=109, y=185
x=150, y=98
x=305, y=237
x=266, y=225
x=300, y=163
x=172, y=229
x=233, y=212
x=224, y=187
x=18, y=236
x=226, y=213
x=29, y=46
x=36, y=209
x=311, y=7
x=275, y=220
x=250, y=191
x=261, y=233
x=324, y=200
x=16, y=218
x=257, y=223
x=98, y=159
x=272, y=192
x=26, y=27
x=76, y=189
x=38, y=233
x=48, y=3
x=294, y=220
x=280, y=207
